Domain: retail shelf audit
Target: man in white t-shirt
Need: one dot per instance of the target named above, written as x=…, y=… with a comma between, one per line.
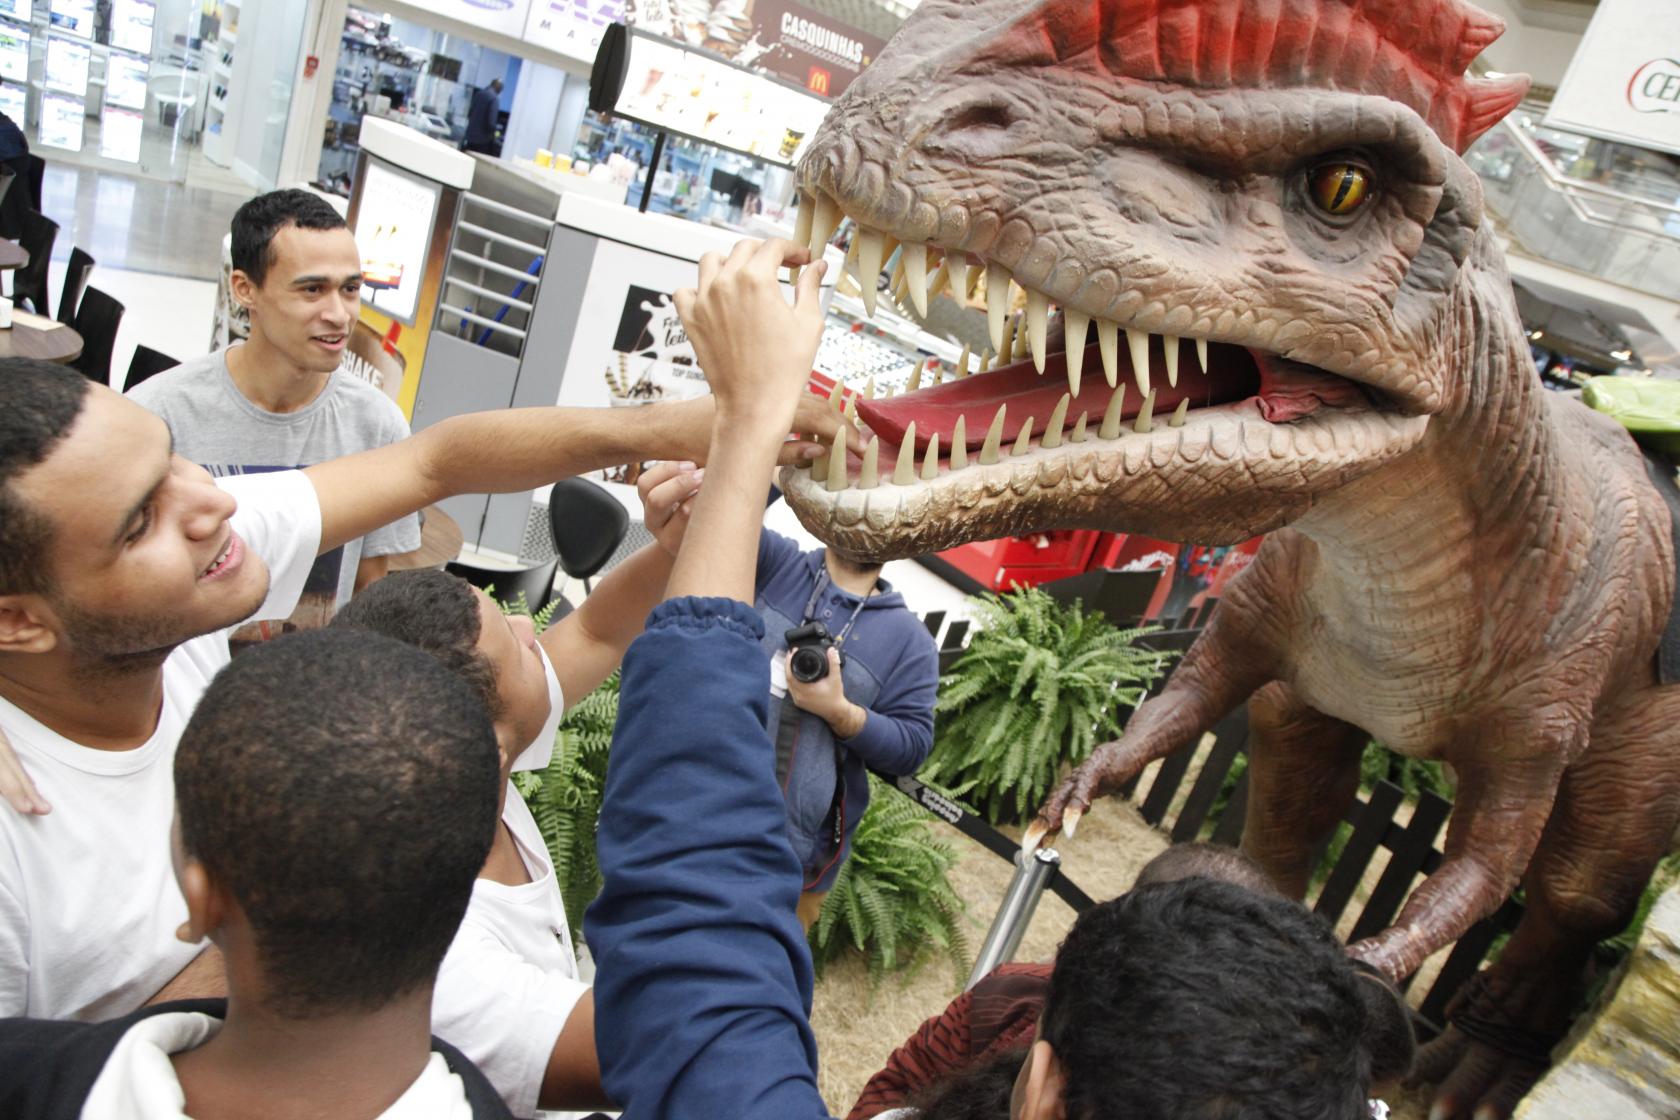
x=122, y=566
x=509, y=994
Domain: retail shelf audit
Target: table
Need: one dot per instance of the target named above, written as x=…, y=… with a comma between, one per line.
x=12, y=255
x=31, y=337
x=440, y=542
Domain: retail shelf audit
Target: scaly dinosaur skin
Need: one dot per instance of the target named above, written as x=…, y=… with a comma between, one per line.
x=1463, y=565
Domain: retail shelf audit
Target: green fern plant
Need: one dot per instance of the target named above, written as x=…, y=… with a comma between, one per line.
x=1037, y=688
x=893, y=901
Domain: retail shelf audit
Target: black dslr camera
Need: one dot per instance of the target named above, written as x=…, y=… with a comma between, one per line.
x=808, y=647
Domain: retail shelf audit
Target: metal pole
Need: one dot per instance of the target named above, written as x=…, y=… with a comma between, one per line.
x=1015, y=913
x=653, y=169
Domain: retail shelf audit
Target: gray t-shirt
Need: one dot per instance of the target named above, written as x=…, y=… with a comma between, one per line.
x=215, y=425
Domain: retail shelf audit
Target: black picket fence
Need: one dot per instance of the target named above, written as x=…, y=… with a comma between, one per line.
x=1193, y=796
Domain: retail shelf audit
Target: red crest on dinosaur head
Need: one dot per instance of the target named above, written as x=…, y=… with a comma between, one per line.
x=1413, y=51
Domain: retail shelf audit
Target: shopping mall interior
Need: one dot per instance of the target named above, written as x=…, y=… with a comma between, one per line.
x=529, y=184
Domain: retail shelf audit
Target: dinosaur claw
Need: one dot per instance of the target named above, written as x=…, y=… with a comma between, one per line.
x=1070, y=821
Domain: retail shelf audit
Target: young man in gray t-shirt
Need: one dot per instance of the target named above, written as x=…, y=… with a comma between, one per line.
x=279, y=400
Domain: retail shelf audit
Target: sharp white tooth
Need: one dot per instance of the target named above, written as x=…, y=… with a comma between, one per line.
x=851, y=410
x=1074, y=325
x=997, y=303
x=837, y=397
x=1058, y=417
x=1179, y=413
x=915, y=381
x=1138, y=341
x=897, y=284
x=1201, y=353
x=1018, y=347
x=938, y=374
x=869, y=388
x=1145, y=421
x=930, y=461
x=957, y=265
x=1006, y=352
x=870, y=244
x=959, y=446
x=994, y=438
x=837, y=462
x=904, y=471
x=870, y=476
x=819, y=467
x=962, y=362
x=1169, y=349
x=1111, y=416
x=824, y=221
x=802, y=230
x=985, y=362
x=1108, y=341
x=1023, y=439
x=1038, y=315
x=915, y=274
x=1078, y=435
x=974, y=275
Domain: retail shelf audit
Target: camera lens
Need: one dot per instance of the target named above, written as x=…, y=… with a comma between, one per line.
x=807, y=664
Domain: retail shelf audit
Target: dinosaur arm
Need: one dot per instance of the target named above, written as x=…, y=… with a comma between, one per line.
x=1500, y=811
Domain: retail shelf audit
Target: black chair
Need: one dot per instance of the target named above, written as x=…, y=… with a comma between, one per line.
x=97, y=321
x=587, y=524
x=30, y=281
x=506, y=586
x=75, y=279
x=146, y=363
x=37, y=177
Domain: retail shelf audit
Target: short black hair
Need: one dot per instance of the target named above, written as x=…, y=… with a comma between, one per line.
x=256, y=223
x=436, y=612
x=344, y=788
x=1212, y=861
x=1201, y=1000
x=39, y=403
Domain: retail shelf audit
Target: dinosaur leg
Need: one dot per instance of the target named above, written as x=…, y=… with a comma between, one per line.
x=1615, y=813
x=1303, y=773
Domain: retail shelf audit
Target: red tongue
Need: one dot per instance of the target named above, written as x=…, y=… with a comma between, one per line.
x=1289, y=391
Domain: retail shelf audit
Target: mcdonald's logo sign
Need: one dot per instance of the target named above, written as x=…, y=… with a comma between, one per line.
x=817, y=81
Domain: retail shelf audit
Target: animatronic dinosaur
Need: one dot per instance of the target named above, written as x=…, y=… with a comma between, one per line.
x=1474, y=570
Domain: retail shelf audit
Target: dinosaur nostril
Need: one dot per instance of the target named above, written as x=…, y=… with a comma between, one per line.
x=986, y=115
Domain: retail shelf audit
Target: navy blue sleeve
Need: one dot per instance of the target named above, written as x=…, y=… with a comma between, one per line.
x=897, y=734
x=703, y=982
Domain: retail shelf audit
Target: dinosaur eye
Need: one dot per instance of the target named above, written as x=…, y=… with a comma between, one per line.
x=1339, y=188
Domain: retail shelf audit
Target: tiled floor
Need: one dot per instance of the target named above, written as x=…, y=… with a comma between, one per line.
x=140, y=225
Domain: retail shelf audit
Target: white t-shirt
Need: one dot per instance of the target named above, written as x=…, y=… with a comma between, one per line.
x=139, y=1081
x=88, y=901
x=510, y=980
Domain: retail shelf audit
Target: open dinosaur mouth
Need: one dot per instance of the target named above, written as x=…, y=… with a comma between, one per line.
x=1080, y=407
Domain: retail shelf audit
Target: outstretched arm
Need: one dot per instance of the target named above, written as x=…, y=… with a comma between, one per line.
x=704, y=984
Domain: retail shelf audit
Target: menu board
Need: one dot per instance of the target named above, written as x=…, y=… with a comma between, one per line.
x=73, y=16
x=393, y=231
x=119, y=134
x=131, y=25
x=572, y=27
x=125, y=82
x=676, y=89
x=19, y=10
x=67, y=66
x=61, y=122
x=14, y=55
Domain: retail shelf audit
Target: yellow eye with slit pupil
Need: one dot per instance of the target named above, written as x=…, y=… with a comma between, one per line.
x=1340, y=188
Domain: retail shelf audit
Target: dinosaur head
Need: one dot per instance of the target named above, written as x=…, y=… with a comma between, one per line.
x=1236, y=227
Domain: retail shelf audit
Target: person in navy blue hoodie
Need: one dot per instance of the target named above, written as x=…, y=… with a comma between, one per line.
x=872, y=708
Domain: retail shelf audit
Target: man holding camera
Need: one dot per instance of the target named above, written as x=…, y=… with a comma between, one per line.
x=853, y=677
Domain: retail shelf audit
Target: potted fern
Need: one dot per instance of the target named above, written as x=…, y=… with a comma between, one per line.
x=1040, y=685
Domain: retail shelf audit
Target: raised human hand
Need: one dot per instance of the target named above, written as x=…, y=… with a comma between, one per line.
x=15, y=784
x=754, y=347
x=667, y=491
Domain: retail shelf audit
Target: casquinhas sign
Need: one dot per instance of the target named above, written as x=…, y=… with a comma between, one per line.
x=1623, y=83
x=1655, y=87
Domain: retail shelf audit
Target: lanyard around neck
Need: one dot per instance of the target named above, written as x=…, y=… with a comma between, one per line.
x=816, y=592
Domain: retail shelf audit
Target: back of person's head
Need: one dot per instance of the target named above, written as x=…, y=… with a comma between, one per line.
x=39, y=403
x=256, y=223
x=1212, y=861
x=1201, y=1000
x=434, y=611
x=341, y=788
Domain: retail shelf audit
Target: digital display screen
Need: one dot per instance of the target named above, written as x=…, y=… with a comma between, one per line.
x=61, y=122
x=14, y=55
x=393, y=232
x=12, y=101
x=73, y=16
x=19, y=10
x=131, y=25
x=119, y=134
x=67, y=66
x=668, y=87
x=125, y=82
